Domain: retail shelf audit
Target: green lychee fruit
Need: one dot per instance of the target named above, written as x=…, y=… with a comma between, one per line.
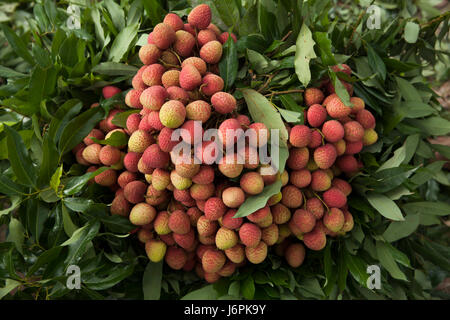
x=142, y=214
x=233, y=197
x=161, y=223
x=172, y=114
x=226, y=238
x=156, y=250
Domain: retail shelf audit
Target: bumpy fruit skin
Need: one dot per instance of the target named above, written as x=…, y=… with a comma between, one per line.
x=163, y=36
x=334, y=219
x=348, y=222
x=304, y=220
x=190, y=77
x=223, y=102
x=250, y=234
x=206, y=227
x=366, y=119
x=142, y=214
x=226, y=238
x=149, y=54
x=130, y=161
x=259, y=215
x=211, y=52
x=144, y=235
x=154, y=157
x=230, y=170
x=156, y=250
x=179, y=222
x=194, y=214
x=200, y=17
x=300, y=178
x=95, y=133
x=213, y=260
x=225, y=35
x=298, y=158
x=205, y=36
x=160, y=179
x=174, y=21
x=204, y=176
x=256, y=254
x=291, y=197
x=270, y=234
x=295, y=255
x=184, y=43
x=197, y=62
x=92, y=153
x=172, y=114
x=252, y=183
x=152, y=75
x=201, y=192
x=120, y=206
x=214, y=208
x=110, y=91
x=313, y=96
x=133, y=122
x=179, y=182
x=347, y=164
x=134, y=191
x=211, y=83
x=109, y=155
x=177, y=93
x=176, y=258
x=333, y=131
x=233, y=197
x=281, y=214
x=170, y=78
x=315, y=240
x=325, y=156
x=125, y=178
x=186, y=241
x=336, y=108
x=236, y=254
x=316, y=139
x=139, y=141
x=370, y=137
x=161, y=223
x=228, y=269
x=353, y=147
x=300, y=136
x=320, y=180
x=315, y=206
x=316, y=115
x=198, y=110
x=107, y=178
x=334, y=197
x=353, y=131
x=261, y=132
x=229, y=222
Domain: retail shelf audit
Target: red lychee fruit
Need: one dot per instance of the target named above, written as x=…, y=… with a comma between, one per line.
x=230, y=132
x=134, y=191
x=211, y=84
x=197, y=62
x=92, y=153
x=316, y=139
x=348, y=222
x=316, y=239
x=259, y=215
x=295, y=255
x=260, y=131
x=342, y=185
x=206, y=227
x=163, y=36
x=250, y=234
x=130, y=161
x=125, y=178
x=110, y=91
x=211, y=52
x=213, y=260
x=176, y=258
x=106, y=178
x=229, y=222
x=353, y=147
x=133, y=122
x=325, y=156
x=190, y=77
x=347, y=164
x=236, y=254
x=281, y=214
x=154, y=157
x=184, y=43
x=95, y=133
x=313, y=96
x=120, y=206
x=214, y=208
x=333, y=131
x=198, y=110
x=177, y=93
x=298, y=158
x=336, y=108
x=165, y=141
x=223, y=102
x=109, y=155
x=256, y=254
x=270, y=234
x=334, y=197
x=149, y=54
x=204, y=176
x=366, y=119
x=201, y=191
x=230, y=166
x=316, y=115
x=225, y=35
x=300, y=178
x=300, y=136
x=174, y=21
x=187, y=241
x=205, y=36
x=228, y=269
x=334, y=219
x=315, y=206
x=320, y=180
x=200, y=17
x=152, y=74
x=353, y=131
x=179, y=222
x=304, y=220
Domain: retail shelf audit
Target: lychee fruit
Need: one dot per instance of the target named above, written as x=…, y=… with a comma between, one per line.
x=176, y=258
x=270, y=234
x=252, y=183
x=204, y=36
x=95, y=133
x=187, y=240
x=142, y=214
x=300, y=136
x=228, y=220
x=163, y=36
x=110, y=91
x=120, y=206
x=325, y=156
x=304, y=220
x=316, y=239
x=197, y=62
x=315, y=206
x=256, y=254
x=211, y=52
x=334, y=197
x=161, y=223
x=134, y=191
x=336, y=108
x=184, y=43
x=347, y=163
x=316, y=115
x=204, y=176
x=179, y=222
x=149, y=54
x=174, y=21
x=154, y=157
x=333, y=131
x=214, y=208
x=152, y=74
x=201, y=191
x=313, y=96
x=292, y=197
x=230, y=168
x=334, y=219
x=295, y=254
x=179, y=182
x=342, y=185
x=155, y=249
x=223, y=102
x=225, y=35
x=190, y=77
x=200, y=17
x=300, y=178
x=353, y=131
x=92, y=153
x=259, y=215
x=109, y=155
x=226, y=238
x=298, y=158
x=133, y=122
x=281, y=214
x=213, y=260
x=172, y=114
x=139, y=141
x=370, y=137
x=250, y=234
x=206, y=227
x=236, y=254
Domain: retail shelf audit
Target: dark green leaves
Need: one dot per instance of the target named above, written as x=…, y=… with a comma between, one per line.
x=123, y=42
x=385, y=206
x=80, y=242
x=376, y=63
x=229, y=64
x=151, y=282
x=17, y=44
x=412, y=30
x=228, y=11
x=324, y=44
x=257, y=202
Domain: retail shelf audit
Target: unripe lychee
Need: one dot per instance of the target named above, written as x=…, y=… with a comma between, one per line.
x=214, y=208
x=206, y=227
x=179, y=182
x=161, y=223
x=316, y=239
x=336, y=108
x=230, y=168
x=270, y=234
x=325, y=156
x=205, y=36
x=298, y=158
x=176, y=258
x=252, y=183
x=370, y=137
x=320, y=180
x=156, y=250
x=281, y=214
x=92, y=153
x=334, y=219
x=142, y=214
x=315, y=206
x=184, y=43
x=109, y=155
x=256, y=254
x=197, y=62
x=198, y=110
x=233, y=197
x=226, y=238
x=304, y=220
x=313, y=96
x=295, y=255
x=139, y=141
x=125, y=178
x=134, y=191
x=149, y=54
x=170, y=78
x=211, y=83
x=348, y=222
x=110, y=91
x=300, y=136
x=236, y=254
x=250, y=234
x=152, y=74
x=172, y=114
x=120, y=206
x=200, y=17
x=190, y=77
x=340, y=146
x=174, y=21
x=300, y=178
x=223, y=102
x=292, y=197
x=163, y=36
x=211, y=52
x=228, y=220
x=95, y=133
x=179, y=222
x=333, y=131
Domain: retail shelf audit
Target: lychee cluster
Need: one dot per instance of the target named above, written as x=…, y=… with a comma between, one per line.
x=184, y=211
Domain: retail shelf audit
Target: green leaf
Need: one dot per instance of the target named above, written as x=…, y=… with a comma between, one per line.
x=228, y=11
x=75, y=184
x=340, y=89
x=17, y=44
x=120, y=119
x=253, y=203
x=292, y=116
x=228, y=65
x=248, y=288
x=9, y=187
x=414, y=109
x=114, y=276
x=44, y=258
x=206, y=293
x=19, y=158
x=50, y=156
x=151, y=281
x=442, y=149
x=290, y=104
x=56, y=178
x=154, y=11
x=357, y=268
x=68, y=225
x=304, y=52
x=123, y=42
x=397, y=159
x=435, y=126
x=411, y=144
x=115, y=69
x=385, y=206
x=10, y=285
x=42, y=84
x=16, y=234
x=401, y=229
x=80, y=241
x=423, y=175
x=324, y=44
x=15, y=202
x=37, y=214
x=427, y=207
x=116, y=13
x=407, y=90
x=6, y=72
x=78, y=128
x=412, y=30
x=376, y=63
x=116, y=139
x=387, y=261
x=261, y=110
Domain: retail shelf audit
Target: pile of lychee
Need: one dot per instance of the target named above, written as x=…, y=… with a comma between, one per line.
x=185, y=211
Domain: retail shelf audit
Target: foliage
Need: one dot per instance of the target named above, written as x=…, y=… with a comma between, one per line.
x=51, y=74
